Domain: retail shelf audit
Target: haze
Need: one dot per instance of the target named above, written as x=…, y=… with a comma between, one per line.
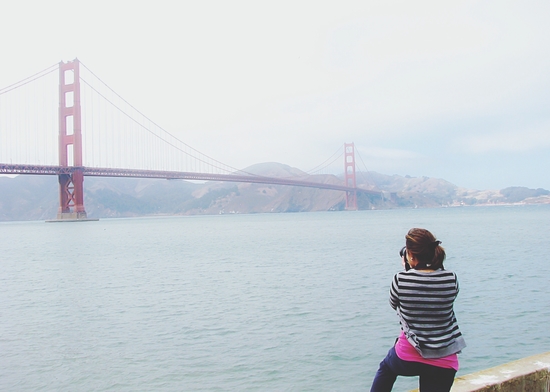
x=458, y=90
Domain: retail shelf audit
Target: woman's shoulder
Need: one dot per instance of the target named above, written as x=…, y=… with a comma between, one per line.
x=423, y=273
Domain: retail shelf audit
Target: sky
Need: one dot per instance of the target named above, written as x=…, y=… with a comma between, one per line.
x=452, y=90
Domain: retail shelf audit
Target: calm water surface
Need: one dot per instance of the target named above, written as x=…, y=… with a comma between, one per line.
x=268, y=302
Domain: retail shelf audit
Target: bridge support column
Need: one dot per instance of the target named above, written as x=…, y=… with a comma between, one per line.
x=349, y=176
x=71, y=196
x=71, y=186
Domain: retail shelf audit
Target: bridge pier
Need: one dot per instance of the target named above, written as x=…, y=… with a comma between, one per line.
x=71, y=186
x=71, y=196
x=349, y=176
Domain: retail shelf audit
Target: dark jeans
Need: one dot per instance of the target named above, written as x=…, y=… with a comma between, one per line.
x=432, y=378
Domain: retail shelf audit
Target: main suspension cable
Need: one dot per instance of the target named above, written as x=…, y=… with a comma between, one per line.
x=337, y=154
x=365, y=166
x=162, y=129
x=29, y=79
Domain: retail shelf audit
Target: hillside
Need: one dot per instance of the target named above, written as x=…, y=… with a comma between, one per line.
x=36, y=197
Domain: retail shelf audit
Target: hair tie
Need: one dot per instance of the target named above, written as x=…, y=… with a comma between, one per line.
x=435, y=244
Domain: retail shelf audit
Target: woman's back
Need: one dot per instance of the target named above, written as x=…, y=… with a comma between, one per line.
x=424, y=301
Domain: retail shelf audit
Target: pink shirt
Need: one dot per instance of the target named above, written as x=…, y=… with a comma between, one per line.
x=406, y=352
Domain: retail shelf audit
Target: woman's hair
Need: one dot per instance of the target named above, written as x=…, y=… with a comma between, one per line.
x=425, y=248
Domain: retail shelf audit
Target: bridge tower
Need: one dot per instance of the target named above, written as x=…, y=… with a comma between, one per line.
x=71, y=186
x=349, y=176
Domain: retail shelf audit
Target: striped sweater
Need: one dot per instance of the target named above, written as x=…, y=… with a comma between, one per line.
x=424, y=303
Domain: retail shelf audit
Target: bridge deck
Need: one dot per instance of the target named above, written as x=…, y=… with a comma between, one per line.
x=171, y=175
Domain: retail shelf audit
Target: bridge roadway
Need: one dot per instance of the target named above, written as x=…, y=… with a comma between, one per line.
x=171, y=175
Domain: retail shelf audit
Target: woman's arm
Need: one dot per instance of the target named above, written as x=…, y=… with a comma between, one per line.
x=394, y=293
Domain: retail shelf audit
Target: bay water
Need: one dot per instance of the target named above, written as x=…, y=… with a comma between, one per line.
x=265, y=302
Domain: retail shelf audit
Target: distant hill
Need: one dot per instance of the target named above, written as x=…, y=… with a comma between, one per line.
x=36, y=197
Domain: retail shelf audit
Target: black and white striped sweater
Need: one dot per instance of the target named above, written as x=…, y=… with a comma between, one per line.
x=424, y=303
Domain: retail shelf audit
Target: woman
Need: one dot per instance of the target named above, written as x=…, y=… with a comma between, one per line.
x=430, y=339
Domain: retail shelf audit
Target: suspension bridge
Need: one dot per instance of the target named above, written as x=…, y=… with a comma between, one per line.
x=87, y=129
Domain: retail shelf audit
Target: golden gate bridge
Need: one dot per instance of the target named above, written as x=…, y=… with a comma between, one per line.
x=93, y=131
